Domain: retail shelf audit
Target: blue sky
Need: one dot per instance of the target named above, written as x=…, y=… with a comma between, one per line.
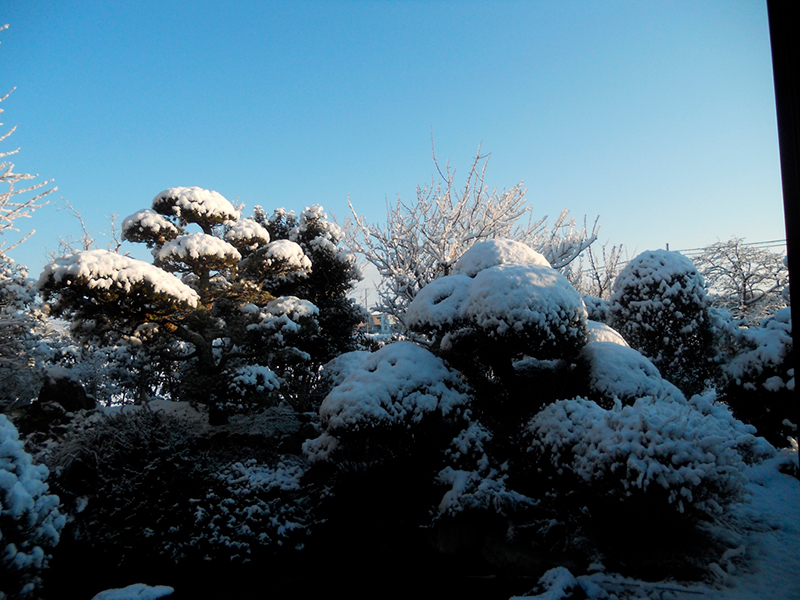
x=657, y=116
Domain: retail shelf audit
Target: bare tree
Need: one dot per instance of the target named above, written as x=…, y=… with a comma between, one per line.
x=594, y=273
x=424, y=239
x=743, y=278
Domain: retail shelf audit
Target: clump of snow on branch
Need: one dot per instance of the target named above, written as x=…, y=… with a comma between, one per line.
x=196, y=248
x=193, y=204
x=136, y=591
x=30, y=516
x=148, y=226
x=247, y=233
x=600, y=332
x=766, y=348
x=511, y=298
x=255, y=505
x=104, y=270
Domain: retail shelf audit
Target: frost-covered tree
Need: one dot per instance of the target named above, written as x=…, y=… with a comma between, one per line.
x=215, y=330
x=660, y=307
x=746, y=280
x=17, y=324
x=423, y=240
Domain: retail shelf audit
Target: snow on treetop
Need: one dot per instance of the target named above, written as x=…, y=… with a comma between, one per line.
x=104, y=270
x=195, y=204
x=194, y=247
x=491, y=253
x=293, y=307
x=397, y=385
x=655, y=268
x=247, y=232
x=288, y=254
x=511, y=298
x=147, y=225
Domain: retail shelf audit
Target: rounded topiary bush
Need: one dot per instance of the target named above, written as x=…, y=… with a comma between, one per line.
x=656, y=459
x=659, y=305
x=398, y=400
x=30, y=517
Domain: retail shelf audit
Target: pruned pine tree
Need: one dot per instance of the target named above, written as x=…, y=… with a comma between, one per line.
x=422, y=240
x=216, y=330
x=744, y=279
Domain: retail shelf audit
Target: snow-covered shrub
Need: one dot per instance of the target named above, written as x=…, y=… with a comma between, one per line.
x=654, y=459
x=30, y=519
x=619, y=373
x=758, y=381
x=124, y=478
x=395, y=400
x=251, y=508
x=475, y=482
x=20, y=333
x=659, y=305
x=598, y=309
x=503, y=301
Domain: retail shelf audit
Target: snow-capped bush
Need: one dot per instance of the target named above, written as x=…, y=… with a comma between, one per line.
x=659, y=456
x=30, y=519
x=758, y=381
x=619, y=373
x=659, y=305
x=501, y=309
x=491, y=253
x=402, y=388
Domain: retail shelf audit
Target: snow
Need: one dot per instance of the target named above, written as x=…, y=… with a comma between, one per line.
x=761, y=563
x=439, y=304
x=197, y=247
x=600, y=332
x=620, y=372
x=287, y=255
x=247, y=232
x=511, y=298
x=137, y=591
x=336, y=370
x=664, y=444
x=396, y=386
x=29, y=516
x=654, y=268
x=147, y=224
x=769, y=345
x=194, y=203
x=491, y=253
x=101, y=269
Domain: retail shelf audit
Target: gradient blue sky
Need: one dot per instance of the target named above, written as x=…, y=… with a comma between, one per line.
x=657, y=116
